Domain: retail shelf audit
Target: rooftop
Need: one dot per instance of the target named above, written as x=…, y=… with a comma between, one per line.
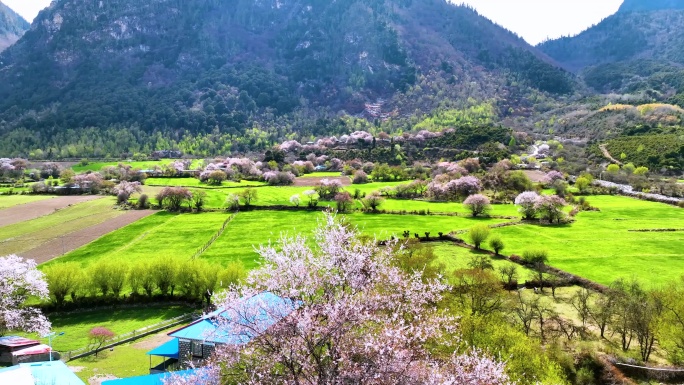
x=39, y=373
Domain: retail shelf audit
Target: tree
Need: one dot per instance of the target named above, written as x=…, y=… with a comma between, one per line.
x=509, y=275
x=125, y=189
x=478, y=234
x=20, y=280
x=582, y=184
x=344, y=201
x=360, y=177
x=477, y=204
x=496, y=244
x=142, y=276
x=216, y=177
x=364, y=321
x=99, y=336
x=613, y=169
x=107, y=275
x=581, y=301
x=199, y=197
x=172, y=198
x=165, y=271
x=478, y=291
x=66, y=176
x=248, y=196
x=527, y=202
x=373, y=201
x=538, y=260
x=550, y=208
x=295, y=200
x=61, y=280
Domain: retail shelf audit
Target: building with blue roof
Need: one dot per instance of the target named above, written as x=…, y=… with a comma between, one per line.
x=152, y=379
x=39, y=373
x=194, y=343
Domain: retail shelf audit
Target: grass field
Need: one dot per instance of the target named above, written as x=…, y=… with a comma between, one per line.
x=159, y=235
x=194, y=182
x=454, y=258
x=600, y=247
x=27, y=235
x=77, y=325
x=14, y=200
x=170, y=235
x=97, y=166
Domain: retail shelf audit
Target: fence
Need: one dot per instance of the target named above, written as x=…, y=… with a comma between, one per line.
x=207, y=245
x=127, y=337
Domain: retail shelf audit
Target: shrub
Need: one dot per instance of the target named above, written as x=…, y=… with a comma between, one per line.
x=373, y=201
x=477, y=204
x=496, y=244
x=172, y=198
x=216, y=177
x=143, y=201
x=248, y=196
x=295, y=200
x=360, y=177
x=344, y=201
x=478, y=235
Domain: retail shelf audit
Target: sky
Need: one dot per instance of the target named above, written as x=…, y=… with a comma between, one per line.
x=534, y=20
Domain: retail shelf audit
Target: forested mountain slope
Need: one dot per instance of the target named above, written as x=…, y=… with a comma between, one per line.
x=12, y=26
x=200, y=66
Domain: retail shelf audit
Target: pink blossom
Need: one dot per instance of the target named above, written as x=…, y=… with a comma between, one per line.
x=20, y=280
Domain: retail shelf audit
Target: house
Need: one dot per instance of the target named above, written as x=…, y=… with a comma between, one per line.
x=194, y=343
x=14, y=350
x=152, y=379
x=39, y=373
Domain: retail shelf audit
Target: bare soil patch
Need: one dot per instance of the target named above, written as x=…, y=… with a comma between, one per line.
x=98, y=379
x=311, y=182
x=153, y=342
x=534, y=175
x=73, y=241
x=33, y=210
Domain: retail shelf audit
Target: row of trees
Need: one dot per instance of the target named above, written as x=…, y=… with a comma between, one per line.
x=168, y=277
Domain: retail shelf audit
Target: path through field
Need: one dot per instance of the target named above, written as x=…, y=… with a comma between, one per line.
x=76, y=239
x=28, y=211
x=313, y=181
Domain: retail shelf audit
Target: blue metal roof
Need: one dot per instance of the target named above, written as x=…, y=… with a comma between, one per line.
x=152, y=379
x=260, y=312
x=169, y=349
x=44, y=373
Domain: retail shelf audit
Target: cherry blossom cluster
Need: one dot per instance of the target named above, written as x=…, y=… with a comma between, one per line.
x=19, y=281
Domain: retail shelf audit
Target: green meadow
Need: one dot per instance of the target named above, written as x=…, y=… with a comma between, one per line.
x=600, y=246
x=180, y=235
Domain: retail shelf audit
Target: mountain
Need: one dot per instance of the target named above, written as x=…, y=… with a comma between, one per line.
x=12, y=26
x=190, y=67
x=638, y=51
x=650, y=5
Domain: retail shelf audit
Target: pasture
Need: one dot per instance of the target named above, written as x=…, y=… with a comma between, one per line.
x=600, y=246
x=455, y=258
x=180, y=235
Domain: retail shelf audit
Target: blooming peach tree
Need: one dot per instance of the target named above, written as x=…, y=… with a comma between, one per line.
x=20, y=280
x=354, y=318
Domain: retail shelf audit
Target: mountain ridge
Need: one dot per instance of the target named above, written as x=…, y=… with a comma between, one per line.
x=197, y=66
x=12, y=26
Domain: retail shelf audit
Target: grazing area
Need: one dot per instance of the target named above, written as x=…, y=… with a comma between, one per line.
x=180, y=235
x=159, y=235
x=603, y=245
